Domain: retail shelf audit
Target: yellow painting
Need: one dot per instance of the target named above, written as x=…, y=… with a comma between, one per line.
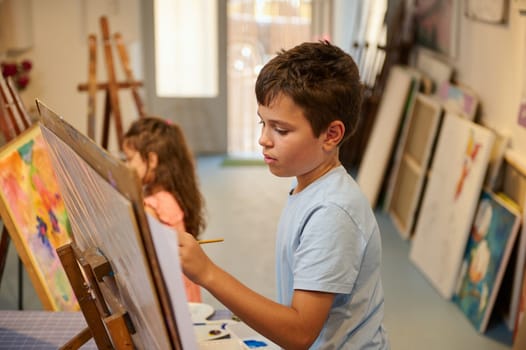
x=33, y=211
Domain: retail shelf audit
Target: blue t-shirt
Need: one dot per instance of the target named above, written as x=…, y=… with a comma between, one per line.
x=328, y=241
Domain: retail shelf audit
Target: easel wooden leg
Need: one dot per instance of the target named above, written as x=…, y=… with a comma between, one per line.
x=18, y=105
x=111, y=107
x=107, y=319
x=106, y=121
x=11, y=117
x=92, y=85
x=119, y=334
x=129, y=74
x=112, y=82
x=4, y=248
x=86, y=301
x=20, y=284
x=76, y=342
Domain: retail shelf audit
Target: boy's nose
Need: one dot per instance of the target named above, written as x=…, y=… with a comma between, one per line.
x=264, y=141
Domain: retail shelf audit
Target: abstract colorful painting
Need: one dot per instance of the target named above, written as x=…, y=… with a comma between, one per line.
x=35, y=216
x=493, y=234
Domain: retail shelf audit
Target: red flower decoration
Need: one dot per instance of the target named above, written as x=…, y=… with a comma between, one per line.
x=19, y=72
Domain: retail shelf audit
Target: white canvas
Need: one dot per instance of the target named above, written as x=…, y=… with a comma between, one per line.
x=167, y=249
x=434, y=67
x=450, y=199
x=379, y=147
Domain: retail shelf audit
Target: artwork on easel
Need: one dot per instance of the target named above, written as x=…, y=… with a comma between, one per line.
x=33, y=211
x=410, y=170
x=493, y=235
x=104, y=199
x=112, y=107
x=450, y=199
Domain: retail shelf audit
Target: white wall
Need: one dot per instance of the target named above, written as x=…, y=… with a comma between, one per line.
x=491, y=60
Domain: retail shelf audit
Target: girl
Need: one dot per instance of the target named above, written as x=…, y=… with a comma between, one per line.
x=158, y=152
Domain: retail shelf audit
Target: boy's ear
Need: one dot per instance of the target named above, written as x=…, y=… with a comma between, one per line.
x=153, y=160
x=334, y=133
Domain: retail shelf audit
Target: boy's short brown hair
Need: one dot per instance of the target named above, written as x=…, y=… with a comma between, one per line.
x=320, y=78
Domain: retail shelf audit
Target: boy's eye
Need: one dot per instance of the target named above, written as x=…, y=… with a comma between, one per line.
x=281, y=131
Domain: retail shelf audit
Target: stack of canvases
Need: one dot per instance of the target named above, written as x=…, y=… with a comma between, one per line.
x=442, y=166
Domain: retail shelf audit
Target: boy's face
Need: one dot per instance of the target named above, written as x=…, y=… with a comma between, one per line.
x=289, y=145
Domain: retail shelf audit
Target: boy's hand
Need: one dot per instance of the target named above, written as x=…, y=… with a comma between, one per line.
x=196, y=265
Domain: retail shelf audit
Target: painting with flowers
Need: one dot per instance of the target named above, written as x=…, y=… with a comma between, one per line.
x=493, y=234
x=34, y=213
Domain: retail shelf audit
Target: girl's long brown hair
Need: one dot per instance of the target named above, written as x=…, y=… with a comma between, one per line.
x=175, y=170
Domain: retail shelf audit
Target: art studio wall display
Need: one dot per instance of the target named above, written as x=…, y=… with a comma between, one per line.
x=402, y=83
x=450, y=200
x=493, y=235
x=33, y=210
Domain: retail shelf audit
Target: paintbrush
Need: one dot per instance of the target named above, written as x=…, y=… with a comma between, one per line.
x=205, y=241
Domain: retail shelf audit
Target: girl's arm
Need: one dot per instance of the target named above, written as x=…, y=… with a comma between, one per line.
x=291, y=327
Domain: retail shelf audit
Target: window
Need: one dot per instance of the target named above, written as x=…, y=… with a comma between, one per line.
x=257, y=29
x=186, y=48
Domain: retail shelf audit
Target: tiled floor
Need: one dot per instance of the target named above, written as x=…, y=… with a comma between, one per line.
x=244, y=204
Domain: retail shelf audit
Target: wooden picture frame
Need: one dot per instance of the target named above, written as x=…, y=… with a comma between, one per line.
x=436, y=25
x=410, y=169
x=34, y=213
x=104, y=198
x=493, y=235
x=489, y=11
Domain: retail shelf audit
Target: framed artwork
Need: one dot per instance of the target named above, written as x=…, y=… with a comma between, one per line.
x=491, y=11
x=436, y=24
x=493, y=235
x=33, y=211
x=104, y=199
x=450, y=200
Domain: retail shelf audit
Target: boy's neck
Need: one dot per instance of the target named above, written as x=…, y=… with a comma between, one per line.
x=305, y=180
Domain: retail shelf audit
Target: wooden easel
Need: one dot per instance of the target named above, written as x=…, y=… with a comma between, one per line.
x=111, y=87
x=89, y=273
x=14, y=119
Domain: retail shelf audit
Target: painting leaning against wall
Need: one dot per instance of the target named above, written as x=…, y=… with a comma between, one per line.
x=34, y=214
